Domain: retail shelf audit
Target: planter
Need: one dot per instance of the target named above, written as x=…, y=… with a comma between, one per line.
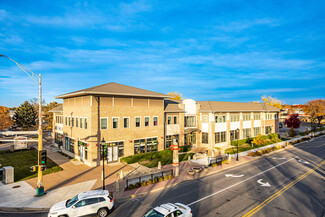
x=191, y=172
x=197, y=169
x=205, y=168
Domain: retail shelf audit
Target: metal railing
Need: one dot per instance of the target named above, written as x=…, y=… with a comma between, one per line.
x=152, y=176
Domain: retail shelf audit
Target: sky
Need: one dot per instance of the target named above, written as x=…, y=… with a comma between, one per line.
x=206, y=50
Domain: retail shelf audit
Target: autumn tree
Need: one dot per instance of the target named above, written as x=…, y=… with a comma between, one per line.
x=5, y=120
x=49, y=115
x=25, y=116
x=175, y=95
x=293, y=121
x=272, y=101
x=316, y=110
x=259, y=140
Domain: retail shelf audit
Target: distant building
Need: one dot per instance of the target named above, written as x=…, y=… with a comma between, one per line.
x=134, y=121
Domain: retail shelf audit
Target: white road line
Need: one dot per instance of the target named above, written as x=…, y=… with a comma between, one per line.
x=206, y=197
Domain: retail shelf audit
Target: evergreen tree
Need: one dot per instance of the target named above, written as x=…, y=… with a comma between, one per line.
x=25, y=116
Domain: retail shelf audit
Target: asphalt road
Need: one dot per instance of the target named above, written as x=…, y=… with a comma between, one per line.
x=297, y=188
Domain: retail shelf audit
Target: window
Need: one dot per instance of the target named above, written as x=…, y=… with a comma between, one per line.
x=169, y=120
x=246, y=133
x=80, y=122
x=72, y=122
x=152, y=145
x=190, y=121
x=66, y=121
x=139, y=146
x=137, y=122
x=205, y=119
x=77, y=121
x=175, y=120
x=257, y=130
x=177, y=213
x=155, y=121
x=234, y=118
x=146, y=121
x=92, y=201
x=69, y=121
x=86, y=123
x=220, y=137
x=234, y=134
x=170, y=139
x=126, y=122
x=103, y=123
x=115, y=123
x=257, y=117
x=220, y=118
x=268, y=129
x=81, y=203
x=246, y=117
x=205, y=138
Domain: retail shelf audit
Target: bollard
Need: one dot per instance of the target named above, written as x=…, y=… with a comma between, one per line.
x=189, y=158
x=176, y=171
x=159, y=165
x=121, y=175
x=229, y=158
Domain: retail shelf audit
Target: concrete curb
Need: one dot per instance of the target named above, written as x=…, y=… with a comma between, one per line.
x=22, y=210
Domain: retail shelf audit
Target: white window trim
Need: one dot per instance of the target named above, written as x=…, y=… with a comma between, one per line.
x=145, y=121
x=153, y=121
x=129, y=122
x=135, y=123
x=118, y=122
x=101, y=123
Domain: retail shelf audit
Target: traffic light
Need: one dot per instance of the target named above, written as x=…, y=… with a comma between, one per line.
x=33, y=169
x=42, y=157
x=42, y=167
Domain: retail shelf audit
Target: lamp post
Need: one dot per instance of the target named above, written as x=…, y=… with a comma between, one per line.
x=102, y=143
x=237, y=132
x=40, y=187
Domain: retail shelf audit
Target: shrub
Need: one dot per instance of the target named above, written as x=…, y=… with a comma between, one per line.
x=137, y=185
x=161, y=179
x=144, y=183
x=170, y=176
x=249, y=140
x=156, y=179
x=292, y=132
x=130, y=187
x=150, y=182
x=184, y=148
x=165, y=178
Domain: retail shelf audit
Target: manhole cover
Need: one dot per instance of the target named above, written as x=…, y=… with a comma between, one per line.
x=16, y=186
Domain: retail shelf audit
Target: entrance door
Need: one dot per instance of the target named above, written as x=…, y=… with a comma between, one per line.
x=82, y=153
x=109, y=154
x=115, y=153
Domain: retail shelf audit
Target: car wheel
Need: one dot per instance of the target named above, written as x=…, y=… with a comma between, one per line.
x=103, y=212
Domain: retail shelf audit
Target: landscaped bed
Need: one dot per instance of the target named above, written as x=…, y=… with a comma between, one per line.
x=247, y=144
x=22, y=160
x=151, y=159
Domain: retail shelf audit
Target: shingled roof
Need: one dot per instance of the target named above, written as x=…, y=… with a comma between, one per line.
x=114, y=89
x=172, y=106
x=57, y=109
x=217, y=106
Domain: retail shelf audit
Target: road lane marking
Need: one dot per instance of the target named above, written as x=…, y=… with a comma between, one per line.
x=235, y=176
x=263, y=184
x=206, y=197
x=268, y=200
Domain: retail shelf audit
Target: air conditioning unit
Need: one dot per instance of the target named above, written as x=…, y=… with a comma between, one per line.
x=8, y=175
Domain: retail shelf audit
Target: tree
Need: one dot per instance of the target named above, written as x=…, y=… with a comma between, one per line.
x=25, y=116
x=5, y=120
x=49, y=115
x=175, y=95
x=259, y=140
x=293, y=121
x=272, y=101
x=34, y=102
x=315, y=109
x=292, y=132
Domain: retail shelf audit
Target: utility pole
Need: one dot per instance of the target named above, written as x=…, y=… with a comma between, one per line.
x=40, y=187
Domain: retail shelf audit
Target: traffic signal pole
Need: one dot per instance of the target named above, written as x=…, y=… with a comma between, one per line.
x=40, y=187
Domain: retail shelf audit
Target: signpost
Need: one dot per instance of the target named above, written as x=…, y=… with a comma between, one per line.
x=175, y=150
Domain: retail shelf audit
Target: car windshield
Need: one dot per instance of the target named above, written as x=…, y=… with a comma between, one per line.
x=154, y=213
x=71, y=201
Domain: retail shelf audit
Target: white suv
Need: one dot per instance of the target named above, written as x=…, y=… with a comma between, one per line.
x=170, y=210
x=86, y=203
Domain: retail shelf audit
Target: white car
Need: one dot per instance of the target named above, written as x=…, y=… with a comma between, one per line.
x=98, y=202
x=170, y=210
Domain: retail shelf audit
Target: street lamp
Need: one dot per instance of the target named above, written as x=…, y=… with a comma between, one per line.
x=237, y=132
x=40, y=187
x=102, y=143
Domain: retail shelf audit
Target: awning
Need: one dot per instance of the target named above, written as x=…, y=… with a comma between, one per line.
x=191, y=130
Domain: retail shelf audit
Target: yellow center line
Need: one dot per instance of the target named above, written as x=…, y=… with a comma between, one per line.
x=268, y=200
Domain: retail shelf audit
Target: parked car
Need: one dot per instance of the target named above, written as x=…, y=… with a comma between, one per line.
x=170, y=210
x=98, y=202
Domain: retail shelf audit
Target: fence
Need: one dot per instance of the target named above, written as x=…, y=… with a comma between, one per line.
x=140, y=179
x=217, y=160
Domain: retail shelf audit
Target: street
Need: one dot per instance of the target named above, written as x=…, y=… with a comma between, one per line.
x=287, y=183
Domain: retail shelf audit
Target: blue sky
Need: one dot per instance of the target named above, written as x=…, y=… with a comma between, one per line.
x=206, y=50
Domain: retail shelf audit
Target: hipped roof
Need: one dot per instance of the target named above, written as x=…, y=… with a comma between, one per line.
x=218, y=106
x=114, y=89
